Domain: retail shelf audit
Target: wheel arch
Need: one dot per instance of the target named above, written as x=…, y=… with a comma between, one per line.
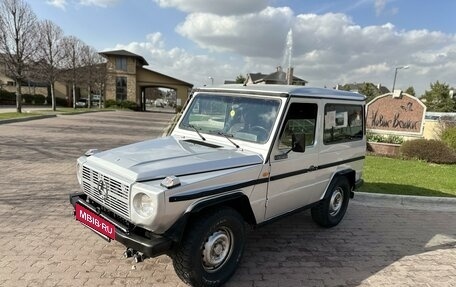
x=348, y=173
x=237, y=201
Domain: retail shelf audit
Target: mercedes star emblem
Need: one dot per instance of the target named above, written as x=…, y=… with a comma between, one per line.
x=102, y=189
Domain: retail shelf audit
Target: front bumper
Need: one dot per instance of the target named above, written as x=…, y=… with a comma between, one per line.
x=154, y=246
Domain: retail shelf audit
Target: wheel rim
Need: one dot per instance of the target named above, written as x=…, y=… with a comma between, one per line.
x=217, y=249
x=335, y=204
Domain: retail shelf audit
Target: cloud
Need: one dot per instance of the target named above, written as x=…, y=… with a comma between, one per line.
x=62, y=4
x=328, y=49
x=179, y=63
x=379, y=6
x=255, y=34
x=219, y=7
x=99, y=3
x=57, y=3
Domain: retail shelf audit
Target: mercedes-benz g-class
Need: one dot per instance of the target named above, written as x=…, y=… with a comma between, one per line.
x=238, y=156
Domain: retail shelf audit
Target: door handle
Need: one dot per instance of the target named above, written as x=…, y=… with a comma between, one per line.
x=312, y=168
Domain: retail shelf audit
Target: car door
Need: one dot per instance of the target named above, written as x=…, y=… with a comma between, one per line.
x=295, y=180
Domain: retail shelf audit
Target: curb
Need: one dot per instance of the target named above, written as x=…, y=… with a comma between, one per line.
x=446, y=204
x=25, y=119
x=85, y=112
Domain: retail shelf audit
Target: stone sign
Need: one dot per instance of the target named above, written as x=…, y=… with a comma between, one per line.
x=402, y=114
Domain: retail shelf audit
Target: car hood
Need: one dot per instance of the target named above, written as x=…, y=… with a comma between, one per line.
x=158, y=158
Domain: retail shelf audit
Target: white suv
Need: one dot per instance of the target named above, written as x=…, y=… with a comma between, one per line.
x=238, y=155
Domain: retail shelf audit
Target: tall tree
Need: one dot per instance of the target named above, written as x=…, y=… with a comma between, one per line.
x=18, y=27
x=51, y=54
x=100, y=80
x=73, y=48
x=369, y=90
x=240, y=79
x=411, y=91
x=438, y=99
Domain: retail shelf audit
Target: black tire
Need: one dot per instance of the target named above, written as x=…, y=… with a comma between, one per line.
x=220, y=234
x=330, y=211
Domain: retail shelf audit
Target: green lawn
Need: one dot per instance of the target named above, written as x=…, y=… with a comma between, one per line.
x=69, y=111
x=408, y=177
x=14, y=115
x=59, y=110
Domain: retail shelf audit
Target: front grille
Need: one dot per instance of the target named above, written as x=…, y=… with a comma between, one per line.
x=107, y=191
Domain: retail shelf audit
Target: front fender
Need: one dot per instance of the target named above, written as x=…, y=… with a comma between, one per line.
x=237, y=200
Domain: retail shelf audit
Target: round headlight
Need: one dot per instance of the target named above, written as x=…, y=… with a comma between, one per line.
x=143, y=204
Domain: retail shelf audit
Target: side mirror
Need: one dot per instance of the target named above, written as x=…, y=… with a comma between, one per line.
x=298, y=142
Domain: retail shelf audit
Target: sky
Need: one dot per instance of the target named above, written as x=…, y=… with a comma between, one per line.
x=330, y=41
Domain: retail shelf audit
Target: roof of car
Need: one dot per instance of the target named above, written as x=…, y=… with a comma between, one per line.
x=286, y=91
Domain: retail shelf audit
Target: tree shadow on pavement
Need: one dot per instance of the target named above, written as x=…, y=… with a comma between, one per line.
x=372, y=246
x=401, y=189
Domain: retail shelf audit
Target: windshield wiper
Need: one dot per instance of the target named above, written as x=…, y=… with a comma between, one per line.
x=197, y=131
x=227, y=137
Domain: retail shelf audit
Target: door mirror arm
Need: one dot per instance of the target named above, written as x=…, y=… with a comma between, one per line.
x=298, y=144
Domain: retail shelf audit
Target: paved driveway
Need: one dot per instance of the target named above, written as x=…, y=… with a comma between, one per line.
x=42, y=245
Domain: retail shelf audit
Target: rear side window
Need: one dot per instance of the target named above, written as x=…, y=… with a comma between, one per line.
x=343, y=123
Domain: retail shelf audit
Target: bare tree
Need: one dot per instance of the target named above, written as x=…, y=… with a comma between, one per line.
x=100, y=79
x=73, y=48
x=17, y=40
x=51, y=54
x=93, y=64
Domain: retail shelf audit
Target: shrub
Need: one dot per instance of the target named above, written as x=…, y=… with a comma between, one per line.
x=48, y=100
x=428, y=150
x=127, y=105
x=110, y=104
x=60, y=102
x=27, y=98
x=121, y=104
x=7, y=98
x=39, y=99
x=379, y=138
x=449, y=137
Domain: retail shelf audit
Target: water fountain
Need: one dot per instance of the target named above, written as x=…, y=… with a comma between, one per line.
x=287, y=57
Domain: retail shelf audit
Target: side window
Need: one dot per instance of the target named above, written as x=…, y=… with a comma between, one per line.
x=301, y=119
x=343, y=123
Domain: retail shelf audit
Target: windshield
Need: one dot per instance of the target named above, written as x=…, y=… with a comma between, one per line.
x=237, y=117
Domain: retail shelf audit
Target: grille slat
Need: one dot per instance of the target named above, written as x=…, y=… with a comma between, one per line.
x=118, y=193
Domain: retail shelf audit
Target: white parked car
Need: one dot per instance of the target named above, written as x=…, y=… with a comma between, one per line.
x=81, y=103
x=239, y=155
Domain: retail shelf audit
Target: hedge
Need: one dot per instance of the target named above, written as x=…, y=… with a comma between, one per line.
x=428, y=150
x=449, y=137
x=121, y=104
x=9, y=98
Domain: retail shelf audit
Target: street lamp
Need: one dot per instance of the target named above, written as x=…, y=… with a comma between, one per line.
x=212, y=80
x=395, y=75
